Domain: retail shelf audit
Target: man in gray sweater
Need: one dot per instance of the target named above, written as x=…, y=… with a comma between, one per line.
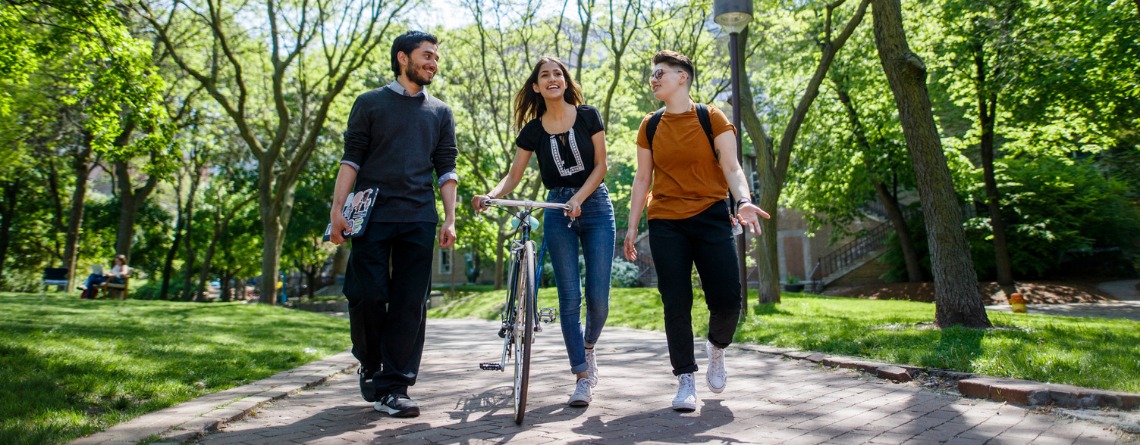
x=397, y=135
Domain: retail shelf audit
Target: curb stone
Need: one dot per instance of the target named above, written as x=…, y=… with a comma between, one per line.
x=1015, y=391
x=193, y=419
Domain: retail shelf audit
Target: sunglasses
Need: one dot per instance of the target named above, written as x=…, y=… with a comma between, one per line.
x=659, y=73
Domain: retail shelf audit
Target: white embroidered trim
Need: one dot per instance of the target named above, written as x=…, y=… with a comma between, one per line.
x=557, y=155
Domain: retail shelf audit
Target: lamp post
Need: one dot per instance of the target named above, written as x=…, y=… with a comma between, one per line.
x=734, y=16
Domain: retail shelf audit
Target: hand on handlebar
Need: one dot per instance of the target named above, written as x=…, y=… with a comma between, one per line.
x=479, y=203
x=573, y=209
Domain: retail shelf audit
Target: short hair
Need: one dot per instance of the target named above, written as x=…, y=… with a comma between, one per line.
x=408, y=42
x=676, y=59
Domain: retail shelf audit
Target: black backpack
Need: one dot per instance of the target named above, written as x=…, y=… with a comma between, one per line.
x=702, y=116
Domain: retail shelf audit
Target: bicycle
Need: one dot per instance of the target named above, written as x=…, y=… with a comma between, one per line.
x=519, y=313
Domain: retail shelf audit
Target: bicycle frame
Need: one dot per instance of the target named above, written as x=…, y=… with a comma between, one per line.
x=519, y=313
x=517, y=250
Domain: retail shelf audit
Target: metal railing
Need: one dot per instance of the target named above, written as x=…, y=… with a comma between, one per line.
x=851, y=252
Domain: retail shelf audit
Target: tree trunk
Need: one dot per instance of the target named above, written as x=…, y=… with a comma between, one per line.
x=11, y=192
x=81, y=167
x=168, y=262
x=586, y=15
x=311, y=276
x=225, y=292
x=889, y=201
x=186, y=222
x=987, y=110
x=188, y=293
x=957, y=299
x=500, y=258
x=275, y=198
x=130, y=200
x=221, y=223
x=768, y=261
x=204, y=271
x=902, y=230
x=270, y=258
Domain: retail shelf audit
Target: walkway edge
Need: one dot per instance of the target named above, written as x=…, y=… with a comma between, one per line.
x=1014, y=391
x=192, y=419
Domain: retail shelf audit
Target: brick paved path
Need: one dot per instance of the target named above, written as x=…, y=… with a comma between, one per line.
x=768, y=400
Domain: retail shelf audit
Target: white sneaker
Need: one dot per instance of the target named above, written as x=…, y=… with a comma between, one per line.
x=716, y=376
x=686, y=400
x=592, y=366
x=582, y=393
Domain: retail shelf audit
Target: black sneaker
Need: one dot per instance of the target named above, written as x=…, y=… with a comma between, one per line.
x=367, y=384
x=397, y=405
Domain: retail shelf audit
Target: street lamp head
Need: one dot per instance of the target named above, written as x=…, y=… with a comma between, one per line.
x=732, y=15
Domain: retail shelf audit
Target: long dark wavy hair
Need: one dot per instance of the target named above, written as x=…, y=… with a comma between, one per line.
x=530, y=104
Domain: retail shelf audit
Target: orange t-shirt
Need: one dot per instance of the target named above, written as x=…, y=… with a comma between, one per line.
x=686, y=176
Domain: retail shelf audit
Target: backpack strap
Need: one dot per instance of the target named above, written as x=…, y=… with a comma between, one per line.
x=706, y=123
x=651, y=126
x=702, y=116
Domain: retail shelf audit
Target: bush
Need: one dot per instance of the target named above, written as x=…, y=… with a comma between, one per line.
x=151, y=289
x=1054, y=209
x=624, y=274
x=1062, y=219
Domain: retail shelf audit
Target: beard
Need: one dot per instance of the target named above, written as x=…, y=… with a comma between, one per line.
x=412, y=73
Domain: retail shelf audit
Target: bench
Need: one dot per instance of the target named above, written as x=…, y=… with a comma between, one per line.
x=114, y=290
x=55, y=276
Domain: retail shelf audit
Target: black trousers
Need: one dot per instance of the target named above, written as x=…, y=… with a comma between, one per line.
x=706, y=241
x=387, y=284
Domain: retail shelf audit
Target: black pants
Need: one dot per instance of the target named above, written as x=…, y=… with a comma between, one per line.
x=705, y=240
x=387, y=283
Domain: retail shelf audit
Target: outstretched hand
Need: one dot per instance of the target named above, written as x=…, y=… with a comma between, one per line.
x=748, y=215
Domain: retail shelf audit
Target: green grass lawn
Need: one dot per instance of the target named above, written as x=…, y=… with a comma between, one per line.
x=1091, y=352
x=71, y=367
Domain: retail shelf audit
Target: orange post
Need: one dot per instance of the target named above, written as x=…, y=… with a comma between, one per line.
x=1017, y=303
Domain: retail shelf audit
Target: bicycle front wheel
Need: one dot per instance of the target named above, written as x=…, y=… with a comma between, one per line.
x=524, y=327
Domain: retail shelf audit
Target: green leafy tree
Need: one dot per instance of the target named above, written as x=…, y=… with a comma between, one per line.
x=276, y=78
x=94, y=76
x=304, y=248
x=957, y=300
x=488, y=62
x=773, y=161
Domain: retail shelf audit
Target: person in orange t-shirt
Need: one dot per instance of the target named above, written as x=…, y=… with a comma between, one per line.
x=689, y=221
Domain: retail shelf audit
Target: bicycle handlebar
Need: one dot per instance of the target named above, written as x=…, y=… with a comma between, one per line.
x=525, y=204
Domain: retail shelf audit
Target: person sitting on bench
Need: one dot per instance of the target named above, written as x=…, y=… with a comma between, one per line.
x=97, y=278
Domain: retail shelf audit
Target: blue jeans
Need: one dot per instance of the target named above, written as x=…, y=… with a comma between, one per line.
x=594, y=231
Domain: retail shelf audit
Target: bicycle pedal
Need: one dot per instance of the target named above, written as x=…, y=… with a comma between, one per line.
x=490, y=366
x=547, y=314
x=503, y=332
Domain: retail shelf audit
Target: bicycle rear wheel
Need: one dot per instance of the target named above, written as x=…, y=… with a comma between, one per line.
x=524, y=327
